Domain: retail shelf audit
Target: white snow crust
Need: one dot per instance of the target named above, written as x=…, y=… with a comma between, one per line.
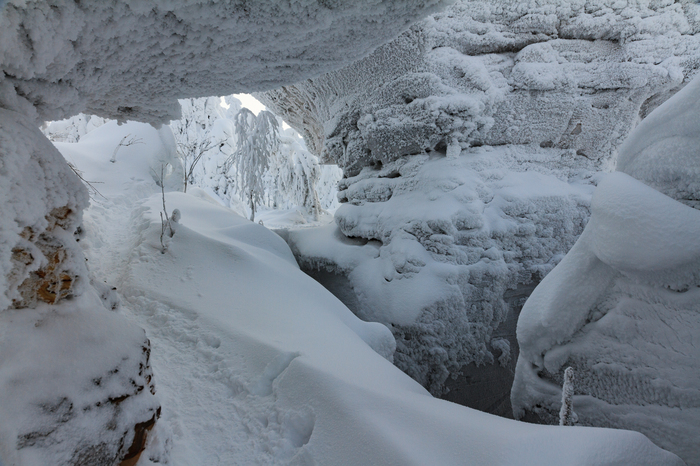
x=256, y=363
x=132, y=60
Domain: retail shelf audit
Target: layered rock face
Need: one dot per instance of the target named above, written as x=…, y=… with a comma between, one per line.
x=570, y=75
x=622, y=307
x=438, y=132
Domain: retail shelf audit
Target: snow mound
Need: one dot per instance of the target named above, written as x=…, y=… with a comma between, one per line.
x=76, y=385
x=430, y=246
x=133, y=60
x=622, y=309
x=664, y=150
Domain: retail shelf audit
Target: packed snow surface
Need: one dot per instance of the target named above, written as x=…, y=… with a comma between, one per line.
x=255, y=363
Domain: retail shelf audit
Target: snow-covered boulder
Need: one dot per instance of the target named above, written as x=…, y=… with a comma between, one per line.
x=622, y=308
x=553, y=87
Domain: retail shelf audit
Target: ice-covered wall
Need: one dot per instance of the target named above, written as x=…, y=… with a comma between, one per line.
x=438, y=132
x=622, y=307
x=131, y=59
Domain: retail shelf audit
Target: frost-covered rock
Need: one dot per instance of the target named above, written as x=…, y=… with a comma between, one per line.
x=430, y=246
x=557, y=84
x=133, y=60
x=623, y=307
x=571, y=75
x=75, y=377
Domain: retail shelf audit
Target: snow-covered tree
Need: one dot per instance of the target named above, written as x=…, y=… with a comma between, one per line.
x=257, y=139
x=196, y=134
x=294, y=174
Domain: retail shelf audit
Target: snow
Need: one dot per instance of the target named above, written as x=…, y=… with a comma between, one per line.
x=429, y=246
x=663, y=150
x=256, y=363
x=131, y=60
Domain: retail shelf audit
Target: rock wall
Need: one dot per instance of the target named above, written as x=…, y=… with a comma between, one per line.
x=131, y=60
x=75, y=377
x=437, y=133
x=570, y=75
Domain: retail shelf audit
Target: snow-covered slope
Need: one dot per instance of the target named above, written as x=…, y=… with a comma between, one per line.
x=131, y=59
x=256, y=363
x=622, y=307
